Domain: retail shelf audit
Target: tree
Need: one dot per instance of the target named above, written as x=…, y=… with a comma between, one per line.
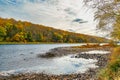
x=19, y=37
x=19, y=31
x=16, y=38
x=29, y=37
x=108, y=15
x=11, y=30
x=69, y=38
x=57, y=37
x=39, y=37
x=2, y=33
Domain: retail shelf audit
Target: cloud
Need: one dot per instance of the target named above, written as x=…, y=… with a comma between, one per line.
x=77, y=20
x=80, y=21
x=70, y=11
x=61, y=14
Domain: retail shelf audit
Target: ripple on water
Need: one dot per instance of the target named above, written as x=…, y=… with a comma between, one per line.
x=62, y=65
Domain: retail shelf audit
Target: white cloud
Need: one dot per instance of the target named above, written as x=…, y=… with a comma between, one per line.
x=56, y=13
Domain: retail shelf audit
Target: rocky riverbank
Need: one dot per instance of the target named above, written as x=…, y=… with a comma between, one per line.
x=62, y=51
x=81, y=53
x=91, y=74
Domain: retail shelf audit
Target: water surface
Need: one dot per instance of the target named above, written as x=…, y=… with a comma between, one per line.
x=23, y=58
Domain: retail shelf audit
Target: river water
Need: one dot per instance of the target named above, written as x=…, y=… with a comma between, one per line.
x=15, y=59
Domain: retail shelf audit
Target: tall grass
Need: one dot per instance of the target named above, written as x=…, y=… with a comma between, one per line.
x=112, y=71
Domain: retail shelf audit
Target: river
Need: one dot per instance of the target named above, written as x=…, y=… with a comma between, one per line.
x=16, y=59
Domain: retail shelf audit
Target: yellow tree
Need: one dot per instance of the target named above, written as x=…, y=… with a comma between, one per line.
x=107, y=13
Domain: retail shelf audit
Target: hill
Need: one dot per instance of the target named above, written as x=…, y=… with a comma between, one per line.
x=23, y=31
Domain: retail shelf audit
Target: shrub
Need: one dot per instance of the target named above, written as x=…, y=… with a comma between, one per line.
x=112, y=71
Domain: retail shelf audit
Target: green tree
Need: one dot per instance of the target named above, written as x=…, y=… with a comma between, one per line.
x=2, y=33
x=11, y=30
x=40, y=37
x=57, y=37
x=29, y=37
x=68, y=38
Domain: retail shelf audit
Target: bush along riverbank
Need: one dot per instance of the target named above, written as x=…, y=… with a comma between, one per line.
x=112, y=70
x=78, y=53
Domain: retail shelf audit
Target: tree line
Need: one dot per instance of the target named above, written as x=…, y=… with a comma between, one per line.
x=19, y=31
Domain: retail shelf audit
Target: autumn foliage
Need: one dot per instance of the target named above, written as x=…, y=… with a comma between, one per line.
x=112, y=70
x=19, y=31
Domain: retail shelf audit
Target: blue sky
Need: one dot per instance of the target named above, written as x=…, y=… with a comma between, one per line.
x=68, y=15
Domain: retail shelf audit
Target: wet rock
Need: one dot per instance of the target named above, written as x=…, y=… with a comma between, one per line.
x=47, y=55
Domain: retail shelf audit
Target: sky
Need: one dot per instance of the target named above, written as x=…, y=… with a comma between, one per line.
x=70, y=15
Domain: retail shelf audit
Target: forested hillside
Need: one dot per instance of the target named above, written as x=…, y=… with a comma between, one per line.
x=19, y=31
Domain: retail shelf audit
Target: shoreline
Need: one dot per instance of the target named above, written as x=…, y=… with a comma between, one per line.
x=25, y=43
x=62, y=51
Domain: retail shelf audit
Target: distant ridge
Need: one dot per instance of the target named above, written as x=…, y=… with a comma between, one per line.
x=23, y=31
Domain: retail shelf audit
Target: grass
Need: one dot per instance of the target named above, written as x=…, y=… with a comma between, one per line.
x=112, y=70
x=95, y=45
